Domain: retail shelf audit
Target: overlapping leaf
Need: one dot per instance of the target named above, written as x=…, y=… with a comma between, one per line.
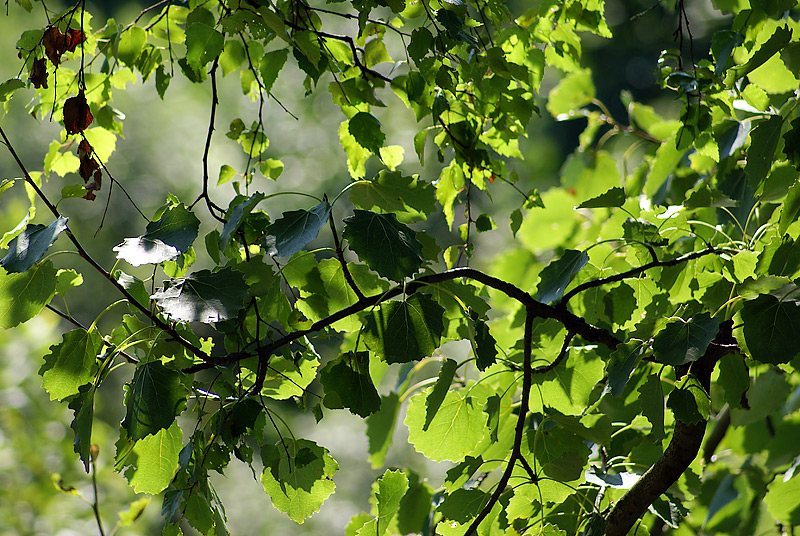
x=404, y=331
x=27, y=248
x=557, y=275
x=294, y=229
x=684, y=341
x=70, y=363
x=163, y=240
x=410, y=198
x=203, y=296
x=298, y=476
x=348, y=384
x=155, y=396
x=386, y=245
x=24, y=295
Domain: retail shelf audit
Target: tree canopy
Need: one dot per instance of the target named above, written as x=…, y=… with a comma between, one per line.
x=616, y=353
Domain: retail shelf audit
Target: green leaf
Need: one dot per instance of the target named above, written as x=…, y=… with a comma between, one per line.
x=380, y=428
x=779, y=39
x=689, y=401
x=790, y=209
x=163, y=240
x=386, y=245
x=153, y=399
x=437, y=394
x=152, y=461
x=226, y=173
x=236, y=216
x=298, y=476
x=615, y=197
x=684, y=341
x=770, y=329
x=791, y=145
x=622, y=362
x=24, y=295
x=82, y=406
x=783, y=500
x=573, y=92
x=132, y=514
x=409, y=197
x=286, y=378
x=30, y=245
x=764, y=142
x=388, y=491
x=271, y=65
x=130, y=45
x=294, y=229
x=348, y=384
x=366, y=129
x=568, y=387
x=484, y=345
x=556, y=276
x=8, y=88
x=203, y=296
x=404, y=331
x=203, y=44
x=70, y=363
x=651, y=399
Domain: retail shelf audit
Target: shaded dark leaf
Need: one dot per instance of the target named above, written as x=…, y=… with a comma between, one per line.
x=30, y=245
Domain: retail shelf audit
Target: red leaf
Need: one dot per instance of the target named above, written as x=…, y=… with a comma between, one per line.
x=77, y=116
x=74, y=38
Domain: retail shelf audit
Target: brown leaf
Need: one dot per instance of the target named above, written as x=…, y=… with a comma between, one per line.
x=77, y=116
x=88, y=164
x=74, y=38
x=55, y=44
x=39, y=73
x=94, y=186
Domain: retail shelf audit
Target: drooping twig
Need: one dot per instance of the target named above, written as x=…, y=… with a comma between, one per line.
x=85, y=255
x=340, y=255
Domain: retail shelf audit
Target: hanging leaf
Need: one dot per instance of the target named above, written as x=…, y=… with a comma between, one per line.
x=236, y=216
x=366, y=129
x=770, y=329
x=83, y=407
x=150, y=463
x=298, y=476
x=380, y=429
x=437, y=394
x=153, y=399
x=70, y=363
x=77, y=116
x=387, y=491
x=294, y=229
x=163, y=240
x=684, y=341
x=203, y=296
x=457, y=429
x=689, y=401
x=25, y=294
x=348, y=384
x=557, y=275
x=27, y=248
x=404, y=331
x=386, y=245
x=484, y=345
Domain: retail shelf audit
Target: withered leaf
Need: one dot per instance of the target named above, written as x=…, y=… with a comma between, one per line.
x=77, y=116
x=39, y=73
x=74, y=38
x=55, y=44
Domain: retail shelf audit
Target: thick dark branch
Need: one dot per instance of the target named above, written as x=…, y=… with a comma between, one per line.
x=538, y=309
x=85, y=255
x=681, y=451
x=636, y=271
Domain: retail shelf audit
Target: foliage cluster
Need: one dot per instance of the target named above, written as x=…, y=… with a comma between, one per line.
x=653, y=292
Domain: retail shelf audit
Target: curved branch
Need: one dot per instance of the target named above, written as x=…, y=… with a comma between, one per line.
x=681, y=451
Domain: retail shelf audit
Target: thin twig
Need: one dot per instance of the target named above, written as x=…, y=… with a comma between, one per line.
x=340, y=254
x=85, y=255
